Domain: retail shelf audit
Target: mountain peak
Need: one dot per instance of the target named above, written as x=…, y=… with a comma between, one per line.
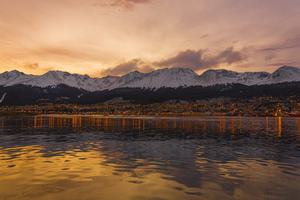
x=167, y=77
x=220, y=71
x=175, y=72
x=176, y=69
x=134, y=73
x=286, y=74
x=287, y=68
x=14, y=72
x=56, y=72
x=13, y=77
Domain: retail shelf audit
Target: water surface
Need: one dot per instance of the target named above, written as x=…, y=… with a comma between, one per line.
x=96, y=157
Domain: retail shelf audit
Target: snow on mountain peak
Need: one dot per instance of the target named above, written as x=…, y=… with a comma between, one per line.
x=14, y=72
x=133, y=75
x=253, y=78
x=168, y=77
x=214, y=77
x=54, y=78
x=173, y=78
x=127, y=79
x=220, y=76
x=13, y=78
x=286, y=74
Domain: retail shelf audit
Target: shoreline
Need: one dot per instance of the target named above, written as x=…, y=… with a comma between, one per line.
x=117, y=115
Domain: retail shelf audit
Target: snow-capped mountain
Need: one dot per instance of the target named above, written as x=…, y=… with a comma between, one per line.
x=106, y=82
x=125, y=80
x=214, y=77
x=13, y=78
x=285, y=74
x=172, y=78
x=54, y=78
x=253, y=78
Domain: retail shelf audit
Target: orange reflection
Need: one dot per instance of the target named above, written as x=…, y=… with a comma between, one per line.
x=77, y=175
x=222, y=125
x=232, y=125
x=76, y=121
x=32, y=162
x=187, y=124
x=279, y=126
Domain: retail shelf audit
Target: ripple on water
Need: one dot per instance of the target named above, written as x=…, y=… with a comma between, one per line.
x=84, y=157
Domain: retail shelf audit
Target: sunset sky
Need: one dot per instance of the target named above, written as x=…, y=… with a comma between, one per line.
x=101, y=37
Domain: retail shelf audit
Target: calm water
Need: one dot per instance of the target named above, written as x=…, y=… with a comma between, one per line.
x=93, y=157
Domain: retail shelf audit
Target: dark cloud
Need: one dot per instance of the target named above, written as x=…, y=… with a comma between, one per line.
x=200, y=60
x=277, y=64
x=204, y=36
x=195, y=60
x=283, y=47
x=188, y=59
x=128, y=4
x=270, y=57
x=228, y=56
x=290, y=43
x=133, y=65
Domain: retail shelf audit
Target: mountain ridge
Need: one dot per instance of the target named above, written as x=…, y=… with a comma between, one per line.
x=161, y=78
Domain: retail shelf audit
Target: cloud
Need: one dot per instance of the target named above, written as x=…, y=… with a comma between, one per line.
x=133, y=65
x=66, y=52
x=200, y=60
x=31, y=66
x=128, y=4
x=278, y=64
x=195, y=60
x=189, y=59
x=281, y=47
x=228, y=56
x=36, y=67
x=270, y=57
x=290, y=43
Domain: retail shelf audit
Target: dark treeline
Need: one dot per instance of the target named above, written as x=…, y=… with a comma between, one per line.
x=28, y=95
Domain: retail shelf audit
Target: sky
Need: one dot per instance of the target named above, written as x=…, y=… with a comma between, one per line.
x=114, y=37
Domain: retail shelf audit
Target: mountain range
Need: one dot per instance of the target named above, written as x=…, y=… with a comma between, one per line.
x=162, y=78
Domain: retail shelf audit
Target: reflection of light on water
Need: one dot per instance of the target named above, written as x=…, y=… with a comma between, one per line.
x=240, y=123
x=279, y=126
x=219, y=125
x=77, y=174
x=267, y=123
x=32, y=162
x=89, y=167
x=222, y=125
x=76, y=121
x=232, y=125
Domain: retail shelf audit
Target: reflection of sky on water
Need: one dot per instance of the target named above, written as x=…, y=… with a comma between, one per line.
x=193, y=156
